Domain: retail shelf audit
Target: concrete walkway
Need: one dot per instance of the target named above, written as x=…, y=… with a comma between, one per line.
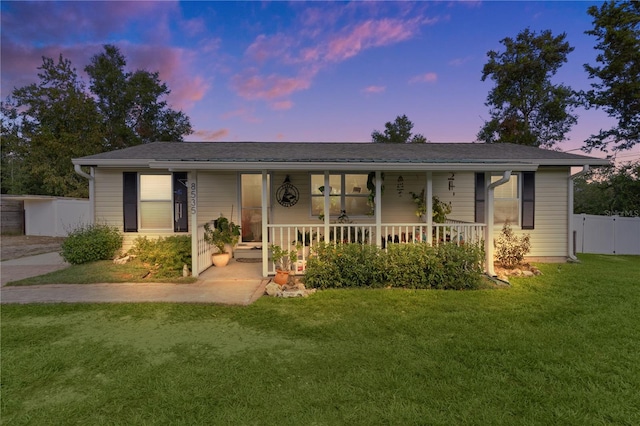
x=235, y=284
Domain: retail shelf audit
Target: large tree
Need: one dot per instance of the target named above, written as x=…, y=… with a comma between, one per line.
x=525, y=106
x=617, y=91
x=398, y=132
x=613, y=190
x=47, y=124
x=133, y=104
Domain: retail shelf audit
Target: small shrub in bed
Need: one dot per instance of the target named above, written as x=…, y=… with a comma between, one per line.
x=170, y=254
x=89, y=243
x=511, y=248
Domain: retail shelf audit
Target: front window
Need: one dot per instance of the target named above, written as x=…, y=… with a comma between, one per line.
x=155, y=202
x=347, y=192
x=507, y=201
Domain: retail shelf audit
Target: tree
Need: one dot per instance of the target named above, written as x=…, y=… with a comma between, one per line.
x=132, y=104
x=398, y=132
x=617, y=28
x=47, y=124
x=526, y=108
x=609, y=190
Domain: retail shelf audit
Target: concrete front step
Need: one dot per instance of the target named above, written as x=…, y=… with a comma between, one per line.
x=247, y=252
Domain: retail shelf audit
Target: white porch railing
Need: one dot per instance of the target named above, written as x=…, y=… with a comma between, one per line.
x=288, y=236
x=204, y=251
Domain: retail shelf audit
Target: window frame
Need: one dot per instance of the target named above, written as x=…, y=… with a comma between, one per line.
x=344, y=197
x=517, y=199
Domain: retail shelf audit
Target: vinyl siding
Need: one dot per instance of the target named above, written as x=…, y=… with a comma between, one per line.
x=549, y=238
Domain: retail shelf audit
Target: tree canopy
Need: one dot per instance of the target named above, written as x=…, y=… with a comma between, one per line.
x=617, y=89
x=609, y=191
x=132, y=103
x=398, y=132
x=525, y=106
x=46, y=124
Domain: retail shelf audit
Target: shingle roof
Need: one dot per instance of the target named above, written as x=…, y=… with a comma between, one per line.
x=334, y=152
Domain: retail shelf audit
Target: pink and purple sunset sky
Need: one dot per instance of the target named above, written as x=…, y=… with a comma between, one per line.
x=305, y=71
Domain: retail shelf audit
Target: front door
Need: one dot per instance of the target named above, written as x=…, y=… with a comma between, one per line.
x=251, y=207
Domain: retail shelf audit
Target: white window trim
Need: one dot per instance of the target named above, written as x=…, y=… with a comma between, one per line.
x=169, y=202
x=343, y=195
x=518, y=199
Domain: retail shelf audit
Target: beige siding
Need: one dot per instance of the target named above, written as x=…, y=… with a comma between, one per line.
x=108, y=204
x=300, y=213
x=549, y=238
x=218, y=194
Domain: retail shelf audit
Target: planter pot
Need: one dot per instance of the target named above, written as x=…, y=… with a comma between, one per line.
x=220, y=259
x=282, y=277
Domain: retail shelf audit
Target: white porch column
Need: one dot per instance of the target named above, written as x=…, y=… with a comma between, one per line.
x=327, y=206
x=192, y=178
x=488, y=237
x=378, y=208
x=428, y=199
x=265, y=228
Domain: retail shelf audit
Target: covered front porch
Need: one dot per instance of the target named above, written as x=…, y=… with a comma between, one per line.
x=379, y=228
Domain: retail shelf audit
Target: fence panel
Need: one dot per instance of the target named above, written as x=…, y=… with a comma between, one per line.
x=607, y=234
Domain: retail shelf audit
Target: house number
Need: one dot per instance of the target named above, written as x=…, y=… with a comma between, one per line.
x=194, y=194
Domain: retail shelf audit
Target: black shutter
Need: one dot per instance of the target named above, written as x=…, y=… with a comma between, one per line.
x=528, y=199
x=479, y=198
x=130, y=201
x=180, y=218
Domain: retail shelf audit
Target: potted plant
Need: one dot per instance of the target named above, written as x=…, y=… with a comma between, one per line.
x=284, y=260
x=223, y=234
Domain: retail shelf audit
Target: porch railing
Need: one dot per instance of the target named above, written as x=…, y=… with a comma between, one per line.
x=204, y=251
x=288, y=236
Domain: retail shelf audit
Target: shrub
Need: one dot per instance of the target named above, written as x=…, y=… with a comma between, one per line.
x=344, y=265
x=89, y=243
x=462, y=264
x=168, y=255
x=511, y=249
x=446, y=266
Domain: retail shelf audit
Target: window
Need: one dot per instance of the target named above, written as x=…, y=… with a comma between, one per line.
x=347, y=192
x=513, y=201
x=155, y=202
x=506, y=207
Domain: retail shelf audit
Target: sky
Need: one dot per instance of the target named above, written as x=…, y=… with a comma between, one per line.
x=306, y=71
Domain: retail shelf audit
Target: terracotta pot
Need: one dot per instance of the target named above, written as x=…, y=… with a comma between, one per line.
x=282, y=277
x=220, y=259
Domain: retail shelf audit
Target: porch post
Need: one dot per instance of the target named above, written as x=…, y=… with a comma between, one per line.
x=378, y=208
x=265, y=228
x=428, y=195
x=192, y=178
x=327, y=206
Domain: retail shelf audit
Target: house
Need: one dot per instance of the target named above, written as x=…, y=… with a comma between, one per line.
x=276, y=191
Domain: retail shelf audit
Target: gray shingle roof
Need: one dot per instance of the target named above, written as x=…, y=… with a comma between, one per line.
x=348, y=152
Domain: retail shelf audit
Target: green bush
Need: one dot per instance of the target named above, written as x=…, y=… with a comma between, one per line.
x=89, y=243
x=446, y=266
x=511, y=249
x=460, y=267
x=167, y=255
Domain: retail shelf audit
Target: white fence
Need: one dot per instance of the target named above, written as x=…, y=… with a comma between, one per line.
x=606, y=234
x=54, y=216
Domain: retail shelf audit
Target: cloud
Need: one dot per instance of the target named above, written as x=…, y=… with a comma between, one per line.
x=371, y=33
x=429, y=77
x=282, y=105
x=460, y=61
x=272, y=88
x=209, y=135
x=374, y=89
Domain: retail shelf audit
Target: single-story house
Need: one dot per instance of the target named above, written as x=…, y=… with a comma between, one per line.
x=276, y=192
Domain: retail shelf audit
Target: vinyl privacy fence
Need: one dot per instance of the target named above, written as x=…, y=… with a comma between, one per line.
x=606, y=234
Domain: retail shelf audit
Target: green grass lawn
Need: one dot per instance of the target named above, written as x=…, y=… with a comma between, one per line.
x=559, y=349
x=102, y=271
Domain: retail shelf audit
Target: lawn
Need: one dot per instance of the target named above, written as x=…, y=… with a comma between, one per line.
x=562, y=348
